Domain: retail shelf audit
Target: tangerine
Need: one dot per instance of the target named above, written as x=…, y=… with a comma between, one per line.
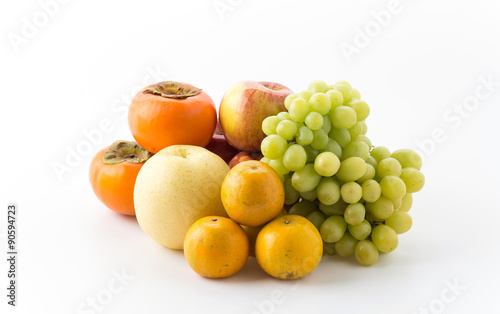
x=289, y=247
x=216, y=247
x=252, y=193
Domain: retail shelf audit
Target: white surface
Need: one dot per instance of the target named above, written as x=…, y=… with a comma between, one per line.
x=82, y=67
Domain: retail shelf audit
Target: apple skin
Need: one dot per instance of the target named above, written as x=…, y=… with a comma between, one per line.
x=219, y=145
x=244, y=156
x=177, y=186
x=243, y=108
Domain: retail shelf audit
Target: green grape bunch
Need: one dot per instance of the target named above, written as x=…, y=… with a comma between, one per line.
x=357, y=195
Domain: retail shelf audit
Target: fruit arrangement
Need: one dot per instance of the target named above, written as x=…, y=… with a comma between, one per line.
x=282, y=177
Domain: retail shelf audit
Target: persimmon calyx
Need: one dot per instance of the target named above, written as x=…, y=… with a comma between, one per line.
x=171, y=89
x=128, y=151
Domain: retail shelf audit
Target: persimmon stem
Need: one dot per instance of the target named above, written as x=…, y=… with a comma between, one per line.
x=128, y=151
x=170, y=89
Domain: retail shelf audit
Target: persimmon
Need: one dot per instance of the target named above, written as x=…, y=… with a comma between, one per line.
x=113, y=172
x=169, y=113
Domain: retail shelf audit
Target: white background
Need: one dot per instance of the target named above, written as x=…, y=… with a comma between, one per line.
x=81, y=65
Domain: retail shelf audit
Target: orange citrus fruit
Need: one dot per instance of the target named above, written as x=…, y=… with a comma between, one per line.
x=289, y=247
x=252, y=193
x=253, y=232
x=216, y=247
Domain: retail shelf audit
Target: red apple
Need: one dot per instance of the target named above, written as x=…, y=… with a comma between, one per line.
x=244, y=156
x=243, y=108
x=219, y=145
x=218, y=128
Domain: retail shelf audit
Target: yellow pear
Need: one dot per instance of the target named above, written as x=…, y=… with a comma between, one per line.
x=177, y=186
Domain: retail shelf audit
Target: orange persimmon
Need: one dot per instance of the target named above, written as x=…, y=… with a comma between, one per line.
x=169, y=113
x=113, y=172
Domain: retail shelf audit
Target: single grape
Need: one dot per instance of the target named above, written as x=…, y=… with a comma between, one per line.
x=336, y=98
x=336, y=209
x=329, y=248
x=265, y=160
x=351, y=192
x=351, y=169
x=304, y=136
x=289, y=98
x=295, y=157
x=286, y=129
x=269, y=124
x=273, y=146
x=361, y=107
x=384, y=238
x=356, y=129
x=356, y=149
x=317, y=218
x=369, y=174
x=363, y=138
x=314, y=120
x=344, y=82
x=320, y=103
x=399, y=221
x=327, y=124
x=355, y=94
x=317, y=87
x=277, y=165
x=305, y=179
x=382, y=208
x=306, y=95
x=284, y=115
x=371, y=190
x=311, y=154
x=341, y=136
x=343, y=117
x=345, y=246
x=320, y=139
x=413, y=179
x=380, y=153
x=354, y=213
x=303, y=208
x=328, y=191
x=291, y=194
x=370, y=160
x=406, y=202
x=333, y=229
x=366, y=253
x=360, y=231
x=389, y=167
x=333, y=147
x=408, y=158
x=298, y=109
x=392, y=187
x=344, y=89
x=365, y=127
x=309, y=195
x=326, y=164
x=397, y=203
